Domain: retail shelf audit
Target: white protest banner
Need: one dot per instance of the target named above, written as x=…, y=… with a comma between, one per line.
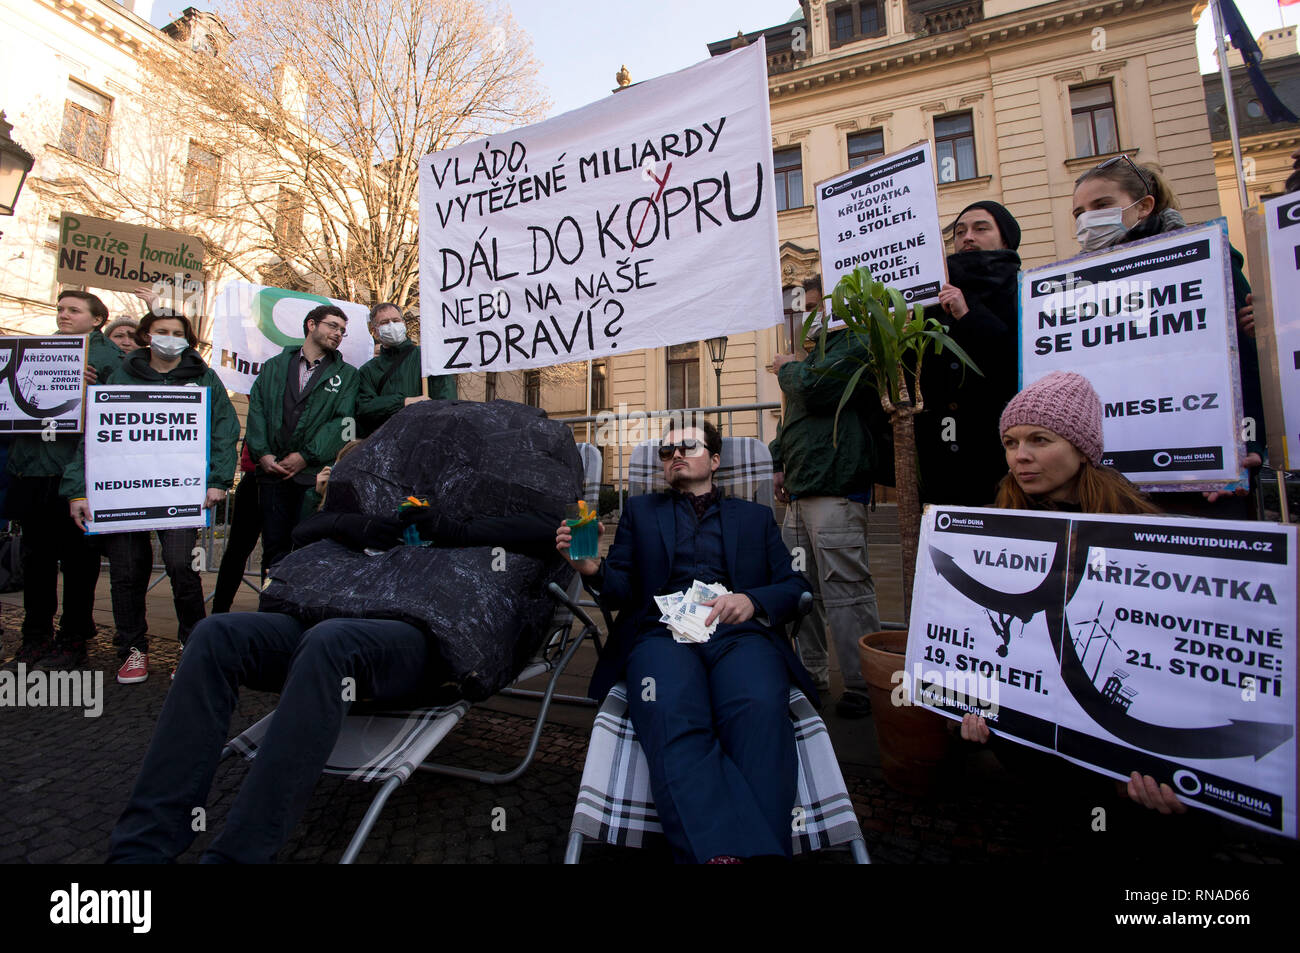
x=1153, y=328
x=643, y=220
x=146, y=457
x=252, y=324
x=1277, y=321
x=1122, y=643
x=41, y=383
x=884, y=216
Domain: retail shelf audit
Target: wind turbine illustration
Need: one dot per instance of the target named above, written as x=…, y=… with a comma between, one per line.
x=1104, y=635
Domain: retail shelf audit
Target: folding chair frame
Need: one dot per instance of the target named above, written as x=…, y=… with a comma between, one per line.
x=554, y=656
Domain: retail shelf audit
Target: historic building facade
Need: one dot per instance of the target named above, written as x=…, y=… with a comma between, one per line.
x=1019, y=97
x=1266, y=147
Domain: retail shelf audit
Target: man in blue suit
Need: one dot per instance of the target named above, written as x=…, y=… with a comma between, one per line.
x=712, y=717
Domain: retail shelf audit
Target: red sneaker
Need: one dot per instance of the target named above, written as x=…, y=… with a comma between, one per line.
x=134, y=669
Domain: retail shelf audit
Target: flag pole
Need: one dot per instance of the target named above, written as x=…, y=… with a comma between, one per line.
x=1229, y=104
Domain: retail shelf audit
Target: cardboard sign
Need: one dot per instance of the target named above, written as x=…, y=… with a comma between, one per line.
x=643, y=220
x=1122, y=643
x=884, y=216
x=1152, y=326
x=252, y=324
x=98, y=253
x=146, y=458
x=41, y=383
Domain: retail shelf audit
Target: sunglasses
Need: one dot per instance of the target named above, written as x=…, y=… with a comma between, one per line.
x=1132, y=165
x=689, y=448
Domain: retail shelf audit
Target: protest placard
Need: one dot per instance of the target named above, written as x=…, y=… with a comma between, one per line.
x=41, y=383
x=1122, y=643
x=99, y=253
x=1153, y=328
x=643, y=220
x=252, y=324
x=1273, y=231
x=146, y=457
x=884, y=216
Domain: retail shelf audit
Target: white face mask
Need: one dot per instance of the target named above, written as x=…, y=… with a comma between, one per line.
x=168, y=347
x=394, y=332
x=1100, y=227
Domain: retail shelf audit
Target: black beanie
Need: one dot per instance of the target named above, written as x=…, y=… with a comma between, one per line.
x=1007, y=224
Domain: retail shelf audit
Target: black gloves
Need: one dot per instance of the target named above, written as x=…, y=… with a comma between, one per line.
x=351, y=529
x=434, y=527
x=381, y=532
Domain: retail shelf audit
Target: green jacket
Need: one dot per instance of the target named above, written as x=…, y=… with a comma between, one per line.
x=330, y=410
x=223, y=422
x=805, y=447
x=375, y=403
x=31, y=456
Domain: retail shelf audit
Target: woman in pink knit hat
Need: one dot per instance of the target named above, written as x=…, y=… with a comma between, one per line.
x=1051, y=432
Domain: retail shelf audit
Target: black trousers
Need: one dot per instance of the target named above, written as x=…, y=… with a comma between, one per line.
x=265, y=651
x=52, y=541
x=245, y=528
x=130, y=564
x=281, y=503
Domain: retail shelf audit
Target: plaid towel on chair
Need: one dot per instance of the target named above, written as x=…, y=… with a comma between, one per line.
x=615, y=805
x=375, y=747
x=378, y=745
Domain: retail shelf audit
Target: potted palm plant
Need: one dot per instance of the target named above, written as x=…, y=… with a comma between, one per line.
x=894, y=341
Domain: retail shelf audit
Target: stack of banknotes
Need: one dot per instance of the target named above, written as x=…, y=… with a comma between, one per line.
x=683, y=613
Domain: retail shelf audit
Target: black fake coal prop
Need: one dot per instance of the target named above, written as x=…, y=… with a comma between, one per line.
x=486, y=612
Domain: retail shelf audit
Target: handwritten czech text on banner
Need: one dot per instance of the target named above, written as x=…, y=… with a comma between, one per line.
x=643, y=220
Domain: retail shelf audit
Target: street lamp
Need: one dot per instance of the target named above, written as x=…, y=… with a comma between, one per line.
x=718, y=354
x=15, y=163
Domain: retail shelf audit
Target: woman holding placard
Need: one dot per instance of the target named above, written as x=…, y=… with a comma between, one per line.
x=50, y=541
x=1118, y=202
x=1052, y=437
x=167, y=357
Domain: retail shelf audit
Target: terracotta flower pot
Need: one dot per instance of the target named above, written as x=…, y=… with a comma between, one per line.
x=912, y=739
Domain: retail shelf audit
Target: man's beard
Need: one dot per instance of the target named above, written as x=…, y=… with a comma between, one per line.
x=679, y=475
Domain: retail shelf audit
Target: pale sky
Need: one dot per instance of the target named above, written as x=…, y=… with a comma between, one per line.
x=582, y=45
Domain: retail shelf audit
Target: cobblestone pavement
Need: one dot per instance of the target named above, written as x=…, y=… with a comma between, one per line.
x=64, y=778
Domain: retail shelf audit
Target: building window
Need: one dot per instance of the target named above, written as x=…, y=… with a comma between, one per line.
x=864, y=146
x=787, y=165
x=533, y=388
x=490, y=385
x=1092, y=110
x=599, y=385
x=843, y=25
x=202, y=175
x=288, y=220
x=85, y=123
x=871, y=19
x=856, y=20
x=683, y=376
x=954, y=146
